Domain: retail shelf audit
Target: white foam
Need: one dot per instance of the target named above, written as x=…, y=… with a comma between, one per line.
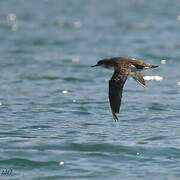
x=76, y=59
x=64, y=91
x=11, y=17
x=163, y=61
x=12, y=21
x=61, y=163
x=178, y=17
x=77, y=24
x=153, y=78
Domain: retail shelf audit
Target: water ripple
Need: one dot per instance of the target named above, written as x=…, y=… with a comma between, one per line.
x=27, y=162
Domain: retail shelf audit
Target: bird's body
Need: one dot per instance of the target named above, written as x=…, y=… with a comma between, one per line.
x=123, y=67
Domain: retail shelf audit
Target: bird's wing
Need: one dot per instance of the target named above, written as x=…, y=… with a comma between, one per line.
x=139, y=64
x=116, y=85
x=138, y=76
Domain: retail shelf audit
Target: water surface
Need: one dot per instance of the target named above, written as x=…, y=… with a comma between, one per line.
x=55, y=118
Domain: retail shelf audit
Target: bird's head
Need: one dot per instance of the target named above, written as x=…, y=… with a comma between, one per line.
x=103, y=62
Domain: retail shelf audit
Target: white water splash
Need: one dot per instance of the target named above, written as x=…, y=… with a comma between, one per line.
x=64, y=91
x=61, y=163
x=163, y=61
x=153, y=78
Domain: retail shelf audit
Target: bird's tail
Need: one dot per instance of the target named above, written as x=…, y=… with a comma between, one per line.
x=147, y=66
x=140, y=65
x=138, y=76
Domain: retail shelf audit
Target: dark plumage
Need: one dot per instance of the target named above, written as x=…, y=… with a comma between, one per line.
x=123, y=67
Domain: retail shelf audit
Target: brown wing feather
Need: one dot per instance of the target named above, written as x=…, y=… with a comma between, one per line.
x=138, y=76
x=139, y=64
x=116, y=85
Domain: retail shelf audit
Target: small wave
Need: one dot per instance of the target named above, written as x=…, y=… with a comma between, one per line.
x=73, y=79
x=157, y=107
x=37, y=78
x=153, y=138
x=92, y=102
x=36, y=127
x=27, y=162
x=68, y=24
x=166, y=152
x=80, y=112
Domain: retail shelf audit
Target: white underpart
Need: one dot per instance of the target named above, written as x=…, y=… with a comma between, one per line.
x=133, y=68
x=133, y=58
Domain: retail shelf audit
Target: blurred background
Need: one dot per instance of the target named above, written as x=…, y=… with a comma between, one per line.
x=55, y=118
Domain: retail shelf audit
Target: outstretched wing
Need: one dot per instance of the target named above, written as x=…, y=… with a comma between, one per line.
x=138, y=76
x=140, y=65
x=116, y=85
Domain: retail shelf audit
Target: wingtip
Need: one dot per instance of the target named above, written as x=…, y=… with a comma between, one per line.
x=141, y=84
x=154, y=66
x=115, y=117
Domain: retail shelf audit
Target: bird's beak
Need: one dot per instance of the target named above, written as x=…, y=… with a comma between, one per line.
x=95, y=65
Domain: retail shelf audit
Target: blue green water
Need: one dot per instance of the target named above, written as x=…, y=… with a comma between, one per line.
x=55, y=119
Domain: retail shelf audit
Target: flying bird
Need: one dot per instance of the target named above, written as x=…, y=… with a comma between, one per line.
x=123, y=68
